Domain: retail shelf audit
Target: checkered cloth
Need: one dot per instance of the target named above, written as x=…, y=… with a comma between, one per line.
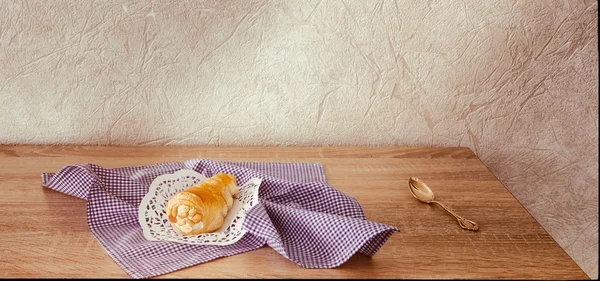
x=299, y=215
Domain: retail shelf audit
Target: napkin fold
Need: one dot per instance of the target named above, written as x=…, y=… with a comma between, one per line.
x=298, y=215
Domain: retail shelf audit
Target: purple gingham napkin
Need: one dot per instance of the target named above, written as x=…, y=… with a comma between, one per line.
x=299, y=215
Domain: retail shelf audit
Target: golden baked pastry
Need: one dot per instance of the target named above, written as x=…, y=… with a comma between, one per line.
x=202, y=207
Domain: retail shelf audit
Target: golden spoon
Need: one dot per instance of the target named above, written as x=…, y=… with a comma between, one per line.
x=424, y=194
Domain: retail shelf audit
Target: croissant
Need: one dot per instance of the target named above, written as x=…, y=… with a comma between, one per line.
x=202, y=207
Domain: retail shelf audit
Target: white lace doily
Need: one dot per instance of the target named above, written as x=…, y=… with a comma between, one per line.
x=156, y=227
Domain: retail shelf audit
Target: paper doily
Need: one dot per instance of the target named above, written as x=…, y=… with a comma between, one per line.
x=153, y=218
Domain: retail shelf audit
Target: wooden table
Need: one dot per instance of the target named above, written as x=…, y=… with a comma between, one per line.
x=43, y=233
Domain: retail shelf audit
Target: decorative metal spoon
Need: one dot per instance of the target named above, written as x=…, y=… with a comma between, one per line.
x=424, y=194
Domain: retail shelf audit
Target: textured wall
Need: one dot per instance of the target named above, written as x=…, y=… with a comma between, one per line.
x=514, y=80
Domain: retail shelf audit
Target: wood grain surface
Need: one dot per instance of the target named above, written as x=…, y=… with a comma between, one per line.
x=43, y=233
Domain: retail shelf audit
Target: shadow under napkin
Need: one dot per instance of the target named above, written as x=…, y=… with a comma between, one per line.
x=299, y=215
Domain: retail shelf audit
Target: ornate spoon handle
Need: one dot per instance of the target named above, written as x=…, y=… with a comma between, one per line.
x=464, y=223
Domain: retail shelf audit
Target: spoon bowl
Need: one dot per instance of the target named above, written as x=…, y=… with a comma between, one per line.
x=420, y=190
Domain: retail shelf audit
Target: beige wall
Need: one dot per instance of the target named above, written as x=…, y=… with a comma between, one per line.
x=514, y=80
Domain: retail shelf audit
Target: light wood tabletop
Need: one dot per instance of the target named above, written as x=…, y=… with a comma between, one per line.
x=43, y=233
